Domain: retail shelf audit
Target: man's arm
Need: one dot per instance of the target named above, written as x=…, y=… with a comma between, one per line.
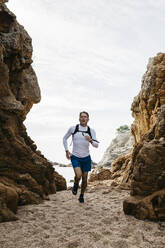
x=65, y=143
x=93, y=141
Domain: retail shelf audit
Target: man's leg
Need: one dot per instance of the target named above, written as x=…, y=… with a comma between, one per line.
x=78, y=174
x=86, y=167
x=84, y=182
x=83, y=186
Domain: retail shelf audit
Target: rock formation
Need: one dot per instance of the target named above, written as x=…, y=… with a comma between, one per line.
x=120, y=146
x=147, y=170
x=25, y=174
x=143, y=169
x=100, y=174
x=117, y=158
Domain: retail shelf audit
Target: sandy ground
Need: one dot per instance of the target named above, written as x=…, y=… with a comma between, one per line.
x=64, y=222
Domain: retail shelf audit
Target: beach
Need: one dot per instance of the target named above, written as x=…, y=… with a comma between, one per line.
x=63, y=222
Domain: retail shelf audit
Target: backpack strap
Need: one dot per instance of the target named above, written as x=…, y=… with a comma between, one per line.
x=89, y=132
x=76, y=129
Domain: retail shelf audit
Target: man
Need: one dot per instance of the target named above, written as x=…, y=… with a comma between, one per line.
x=82, y=136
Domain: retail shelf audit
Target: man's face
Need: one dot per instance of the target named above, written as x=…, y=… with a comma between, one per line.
x=83, y=119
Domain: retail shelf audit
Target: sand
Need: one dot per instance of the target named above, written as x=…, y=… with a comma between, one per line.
x=64, y=222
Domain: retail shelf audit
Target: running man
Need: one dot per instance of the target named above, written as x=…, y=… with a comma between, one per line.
x=82, y=136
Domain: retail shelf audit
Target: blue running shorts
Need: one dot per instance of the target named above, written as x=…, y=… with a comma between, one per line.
x=83, y=163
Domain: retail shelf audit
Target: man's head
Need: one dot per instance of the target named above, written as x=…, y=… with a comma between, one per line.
x=83, y=118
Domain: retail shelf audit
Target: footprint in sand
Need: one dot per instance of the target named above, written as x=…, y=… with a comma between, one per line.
x=119, y=244
x=106, y=232
x=74, y=244
x=110, y=220
x=80, y=225
x=95, y=236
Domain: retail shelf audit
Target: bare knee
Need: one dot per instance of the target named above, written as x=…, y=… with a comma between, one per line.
x=78, y=173
x=78, y=177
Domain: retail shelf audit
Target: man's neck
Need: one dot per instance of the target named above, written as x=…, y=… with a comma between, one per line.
x=83, y=125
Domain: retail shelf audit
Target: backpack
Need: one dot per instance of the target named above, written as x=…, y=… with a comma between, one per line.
x=77, y=130
x=88, y=131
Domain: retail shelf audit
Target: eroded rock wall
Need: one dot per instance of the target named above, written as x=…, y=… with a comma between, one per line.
x=25, y=174
x=152, y=95
x=148, y=109
x=148, y=157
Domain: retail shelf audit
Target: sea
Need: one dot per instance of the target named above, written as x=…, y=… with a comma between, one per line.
x=67, y=173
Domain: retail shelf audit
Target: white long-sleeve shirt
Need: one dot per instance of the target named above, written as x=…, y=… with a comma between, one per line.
x=80, y=144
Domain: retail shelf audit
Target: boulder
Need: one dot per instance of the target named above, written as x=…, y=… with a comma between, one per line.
x=150, y=207
x=60, y=182
x=99, y=174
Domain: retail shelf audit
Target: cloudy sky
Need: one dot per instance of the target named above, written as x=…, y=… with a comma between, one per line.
x=88, y=55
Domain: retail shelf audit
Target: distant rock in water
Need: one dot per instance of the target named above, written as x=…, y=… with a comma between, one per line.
x=26, y=176
x=69, y=165
x=60, y=164
x=119, y=146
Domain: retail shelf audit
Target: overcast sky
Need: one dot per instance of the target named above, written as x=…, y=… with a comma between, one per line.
x=88, y=55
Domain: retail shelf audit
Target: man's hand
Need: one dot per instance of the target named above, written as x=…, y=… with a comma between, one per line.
x=68, y=154
x=88, y=138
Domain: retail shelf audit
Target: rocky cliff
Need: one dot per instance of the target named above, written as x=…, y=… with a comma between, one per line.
x=120, y=146
x=25, y=174
x=143, y=169
x=147, y=170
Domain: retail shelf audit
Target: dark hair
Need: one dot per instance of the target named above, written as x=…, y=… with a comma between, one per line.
x=84, y=112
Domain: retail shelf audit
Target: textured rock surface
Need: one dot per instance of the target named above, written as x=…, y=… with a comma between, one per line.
x=60, y=182
x=25, y=174
x=100, y=174
x=152, y=95
x=3, y=1
x=120, y=146
x=148, y=158
x=151, y=207
x=121, y=171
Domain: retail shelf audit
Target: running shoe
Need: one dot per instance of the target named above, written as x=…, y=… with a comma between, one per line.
x=75, y=188
x=81, y=198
